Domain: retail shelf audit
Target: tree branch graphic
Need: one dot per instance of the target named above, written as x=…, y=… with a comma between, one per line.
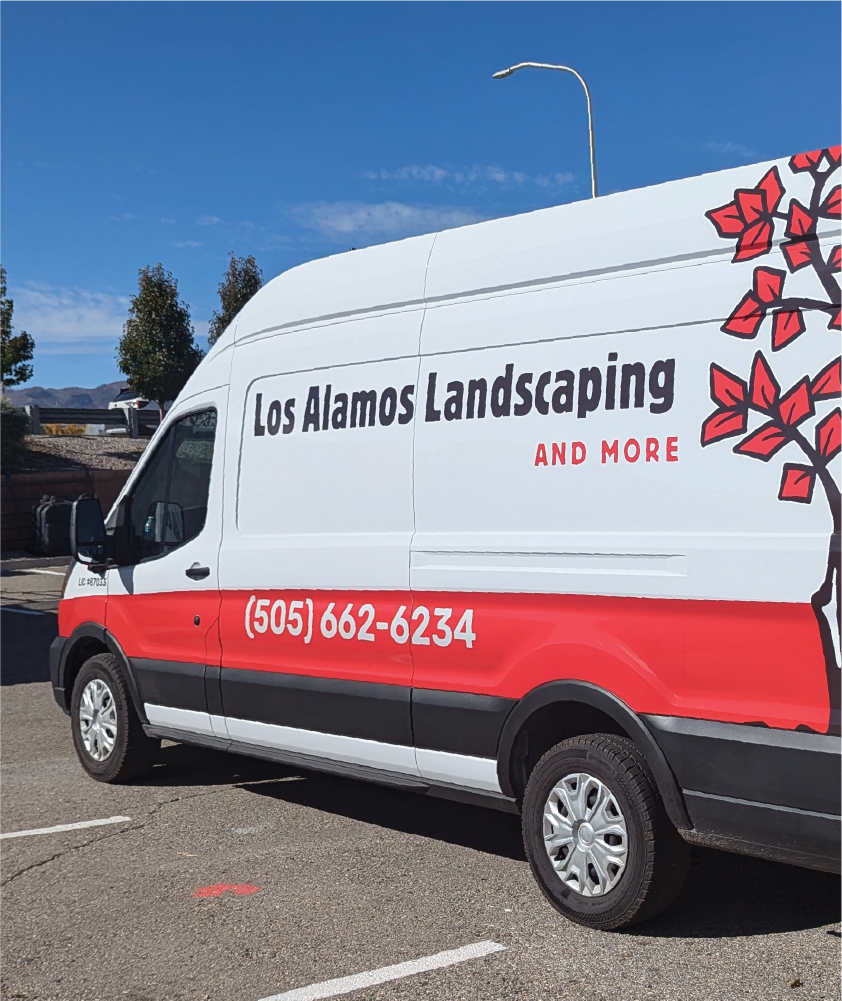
x=751, y=219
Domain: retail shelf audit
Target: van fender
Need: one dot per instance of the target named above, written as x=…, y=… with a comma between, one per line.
x=557, y=692
x=93, y=630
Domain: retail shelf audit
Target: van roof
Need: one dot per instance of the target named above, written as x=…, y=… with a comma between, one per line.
x=644, y=227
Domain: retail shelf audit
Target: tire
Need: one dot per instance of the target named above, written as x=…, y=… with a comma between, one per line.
x=643, y=859
x=107, y=732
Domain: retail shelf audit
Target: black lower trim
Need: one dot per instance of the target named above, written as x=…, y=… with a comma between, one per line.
x=794, y=835
x=772, y=853
x=171, y=683
x=473, y=798
x=392, y=779
x=458, y=722
x=213, y=690
x=56, y=655
x=193, y=739
x=293, y=758
x=768, y=792
x=755, y=763
x=329, y=705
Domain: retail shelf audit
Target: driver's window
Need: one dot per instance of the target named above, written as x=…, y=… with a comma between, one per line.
x=169, y=502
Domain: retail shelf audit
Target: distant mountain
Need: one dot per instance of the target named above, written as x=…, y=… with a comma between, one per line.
x=72, y=396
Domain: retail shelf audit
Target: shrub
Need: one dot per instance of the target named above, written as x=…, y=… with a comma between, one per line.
x=14, y=424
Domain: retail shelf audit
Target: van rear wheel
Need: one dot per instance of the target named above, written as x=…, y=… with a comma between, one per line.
x=597, y=836
x=107, y=732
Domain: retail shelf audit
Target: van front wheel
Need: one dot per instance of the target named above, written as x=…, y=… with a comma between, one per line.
x=107, y=732
x=597, y=836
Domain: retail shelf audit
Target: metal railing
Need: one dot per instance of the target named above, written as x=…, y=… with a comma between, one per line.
x=135, y=423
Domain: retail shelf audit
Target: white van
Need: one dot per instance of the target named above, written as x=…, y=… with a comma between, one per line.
x=540, y=513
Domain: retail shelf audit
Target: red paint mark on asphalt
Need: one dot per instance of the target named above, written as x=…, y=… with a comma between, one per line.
x=240, y=889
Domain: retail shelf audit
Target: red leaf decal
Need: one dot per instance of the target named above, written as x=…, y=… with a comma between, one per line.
x=797, y=405
x=727, y=220
x=754, y=242
x=833, y=154
x=723, y=424
x=797, y=254
x=834, y=323
x=768, y=284
x=764, y=389
x=829, y=435
x=786, y=326
x=828, y=383
x=804, y=161
x=799, y=221
x=831, y=205
x=763, y=443
x=797, y=483
x=835, y=258
x=746, y=318
x=726, y=389
x=752, y=204
x=772, y=189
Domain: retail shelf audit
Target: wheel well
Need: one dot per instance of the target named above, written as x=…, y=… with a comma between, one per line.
x=83, y=648
x=549, y=725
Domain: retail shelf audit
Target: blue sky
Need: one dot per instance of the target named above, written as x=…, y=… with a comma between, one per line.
x=142, y=132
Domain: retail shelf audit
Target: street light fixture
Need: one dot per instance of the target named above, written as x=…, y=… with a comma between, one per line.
x=566, y=69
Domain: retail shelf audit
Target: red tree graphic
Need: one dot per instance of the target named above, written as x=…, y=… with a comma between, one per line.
x=751, y=218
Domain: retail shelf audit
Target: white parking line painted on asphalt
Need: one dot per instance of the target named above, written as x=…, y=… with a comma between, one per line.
x=345, y=985
x=52, y=573
x=66, y=827
x=21, y=611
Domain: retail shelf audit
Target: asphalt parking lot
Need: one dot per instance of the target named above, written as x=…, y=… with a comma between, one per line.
x=302, y=878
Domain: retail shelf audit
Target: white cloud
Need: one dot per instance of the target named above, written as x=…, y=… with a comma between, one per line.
x=168, y=222
x=554, y=180
x=466, y=175
x=189, y=243
x=730, y=149
x=69, y=320
x=125, y=217
x=412, y=173
x=208, y=220
x=65, y=321
x=391, y=219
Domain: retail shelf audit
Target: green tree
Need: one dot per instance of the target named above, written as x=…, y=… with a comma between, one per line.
x=15, y=349
x=157, y=352
x=14, y=425
x=242, y=279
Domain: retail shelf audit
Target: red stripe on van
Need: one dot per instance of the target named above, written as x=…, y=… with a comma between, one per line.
x=724, y=660
x=735, y=661
x=72, y=612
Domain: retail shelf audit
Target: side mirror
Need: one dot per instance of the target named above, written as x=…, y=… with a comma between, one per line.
x=87, y=532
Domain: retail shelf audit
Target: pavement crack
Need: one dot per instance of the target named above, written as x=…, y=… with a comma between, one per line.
x=66, y=851
x=138, y=826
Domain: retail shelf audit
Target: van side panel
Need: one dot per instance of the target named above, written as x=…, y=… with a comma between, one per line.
x=319, y=633
x=704, y=659
x=315, y=553
x=84, y=608
x=563, y=492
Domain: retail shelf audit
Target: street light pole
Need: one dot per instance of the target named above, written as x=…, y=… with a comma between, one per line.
x=566, y=69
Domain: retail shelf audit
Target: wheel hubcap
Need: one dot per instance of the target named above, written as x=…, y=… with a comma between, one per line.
x=98, y=719
x=585, y=834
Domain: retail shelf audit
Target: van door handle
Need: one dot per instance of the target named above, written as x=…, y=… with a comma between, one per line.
x=197, y=573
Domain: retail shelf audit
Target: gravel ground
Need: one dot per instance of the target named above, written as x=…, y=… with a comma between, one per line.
x=45, y=452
